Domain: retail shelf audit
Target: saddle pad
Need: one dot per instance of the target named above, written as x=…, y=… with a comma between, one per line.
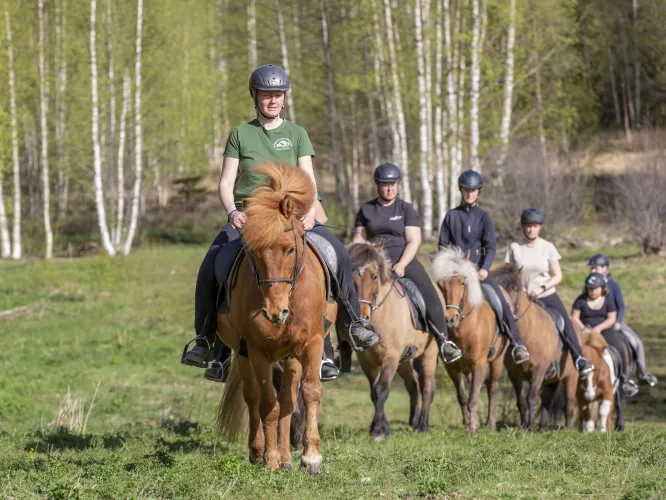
x=416, y=303
x=613, y=365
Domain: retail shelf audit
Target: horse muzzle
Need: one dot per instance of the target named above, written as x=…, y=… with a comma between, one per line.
x=276, y=318
x=453, y=322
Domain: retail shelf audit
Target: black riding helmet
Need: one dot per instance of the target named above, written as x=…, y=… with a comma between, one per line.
x=387, y=172
x=532, y=216
x=599, y=260
x=470, y=179
x=595, y=280
x=269, y=77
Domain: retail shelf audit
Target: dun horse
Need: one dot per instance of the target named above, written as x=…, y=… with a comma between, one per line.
x=471, y=325
x=384, y=302
x=538, y=332
x=277, y=311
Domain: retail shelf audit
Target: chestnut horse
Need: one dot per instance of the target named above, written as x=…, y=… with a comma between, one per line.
x=384, y=303
x=540, y=336
x=471, y=325
x=277, y=309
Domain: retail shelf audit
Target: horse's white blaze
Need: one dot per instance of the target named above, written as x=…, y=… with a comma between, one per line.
x=588, y=426
x=604, y=410
x=590, y=390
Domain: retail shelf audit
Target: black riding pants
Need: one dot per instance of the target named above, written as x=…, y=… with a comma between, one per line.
x=614, y=338
x=434, y=310
x=507, y=316
x=554, y=302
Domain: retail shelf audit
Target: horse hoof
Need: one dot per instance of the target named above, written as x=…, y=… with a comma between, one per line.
x=423, y=428
x=312, y=464
x=286, y=466
x=379, y=438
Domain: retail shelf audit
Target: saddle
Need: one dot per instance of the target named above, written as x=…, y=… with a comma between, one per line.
x=613, y=359
x=228, y=260
x=558, y=319
x=416, y=302
x=496, y=304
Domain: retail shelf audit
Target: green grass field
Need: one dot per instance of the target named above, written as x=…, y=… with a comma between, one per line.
x=122, y=323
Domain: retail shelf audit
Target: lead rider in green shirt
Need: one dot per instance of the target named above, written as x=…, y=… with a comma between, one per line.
x=268, y=137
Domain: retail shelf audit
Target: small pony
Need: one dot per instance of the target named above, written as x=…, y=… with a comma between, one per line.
x=471, y=325
x=278, y=312
x=539, y=333
x=384, y=302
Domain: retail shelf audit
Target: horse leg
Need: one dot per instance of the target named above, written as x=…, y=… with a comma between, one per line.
x=458, y=378
x=311, y=388
x=379, y=428
x=570, y=387
x=620, y=401
x=474, y=391
x=546, y=399
x=408, y=374
x=533, y=394
x=517, y=382
x=287, y=398
x=493, y=386
x=426, y=372
x=297, y=421
x=256, y=442
x=269, y=408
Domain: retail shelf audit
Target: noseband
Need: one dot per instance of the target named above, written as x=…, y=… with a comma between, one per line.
x=373, y=303
x=295, y=273
x=461, y=306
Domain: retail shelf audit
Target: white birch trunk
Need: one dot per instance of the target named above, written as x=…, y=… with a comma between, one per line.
x=252, y=31
x=386, y=101
x=370, y=96
x=537, y=89
x=462, y=70
x=475, y=164
x=425, y=17
x=285, y=58
x=17, y=250
x=5, y=242
x=43, y=99
x=120, y=212
x=61, y=107
x=111, y=164
x=138, y=133
x=397, y=101
x=97, y=181
x=440, y=156
x=452, y=113
x=426, y=190
x=505, y=127
x=611, y=75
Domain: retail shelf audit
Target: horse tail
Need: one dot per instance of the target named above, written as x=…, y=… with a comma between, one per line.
x=232, y=412
x=557, y=403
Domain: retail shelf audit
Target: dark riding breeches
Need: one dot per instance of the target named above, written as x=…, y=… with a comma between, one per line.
x=507, y=317
x=554, y=302
x=614, y=338
x=434, y=310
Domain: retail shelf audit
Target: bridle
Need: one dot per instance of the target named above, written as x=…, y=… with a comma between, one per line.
x=516, y=307
x=460, y=307
x=373, y=303
x=295, y=273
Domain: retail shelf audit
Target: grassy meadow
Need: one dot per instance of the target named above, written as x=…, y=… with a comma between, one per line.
x=121, y=323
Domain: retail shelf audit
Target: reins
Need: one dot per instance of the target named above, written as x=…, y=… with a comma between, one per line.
x=373, y=303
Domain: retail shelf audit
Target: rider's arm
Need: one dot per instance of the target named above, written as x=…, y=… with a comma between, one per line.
x=413, y=241
x=619, y=301
x=444, y=234
x=608, y=322
x=555, y=274
x=360, y=235
x=305, y=164
x=488, y=243
x=320, y=213
x=575, y=318
x=226, y=184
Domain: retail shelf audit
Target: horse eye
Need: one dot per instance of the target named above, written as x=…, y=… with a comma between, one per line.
x=374, y=278
x=291, y=250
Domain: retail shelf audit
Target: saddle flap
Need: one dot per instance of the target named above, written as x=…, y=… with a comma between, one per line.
x=611, y=357
x=493, y=299
x=325, y=250
x=557, y=318
x=227, y=263
x=416, y=299
x=616, y=357
x=332, y=287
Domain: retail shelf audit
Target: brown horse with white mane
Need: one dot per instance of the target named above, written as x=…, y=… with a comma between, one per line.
x=278, y=307
x=384, y=303
x=471, y=324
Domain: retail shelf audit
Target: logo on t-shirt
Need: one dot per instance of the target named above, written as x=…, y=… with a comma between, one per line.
x=396, y=217
x=282, y=144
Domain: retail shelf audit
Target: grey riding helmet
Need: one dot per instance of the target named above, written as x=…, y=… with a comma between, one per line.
x=599, y=260
x=595, y=280
x=387, y=172
x=532, y=216
x=470, y=179
x=269, y=77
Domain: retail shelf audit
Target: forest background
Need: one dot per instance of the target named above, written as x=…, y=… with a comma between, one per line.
x=114, y=113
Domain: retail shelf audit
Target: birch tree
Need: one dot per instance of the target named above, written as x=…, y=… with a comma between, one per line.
x=138, y=133
x=120, y=212
x=16, y=226
x=475, y=88
x=452, y=111
x=6, y=244
x=424, y=152
x=61, y=104
x=441, y=147
x=505, y=127
x=43, y=108
x=98, y=175
x=285, y=57
x=252, y=34
x=111, y=143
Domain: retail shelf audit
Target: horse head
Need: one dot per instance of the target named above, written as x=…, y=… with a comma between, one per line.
x=274, y=237
x=594, y=346
x=371, y=269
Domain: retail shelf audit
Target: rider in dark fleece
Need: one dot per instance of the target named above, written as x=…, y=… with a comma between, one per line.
x=471, y=229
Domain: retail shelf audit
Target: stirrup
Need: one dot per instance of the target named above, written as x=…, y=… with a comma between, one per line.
x=364, y=323
x=213, y=371
x=513, y=354
x=185, y=361
x=455, y=358
x=327, y=361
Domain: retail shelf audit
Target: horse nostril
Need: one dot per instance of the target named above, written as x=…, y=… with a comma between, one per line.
x=285, y=312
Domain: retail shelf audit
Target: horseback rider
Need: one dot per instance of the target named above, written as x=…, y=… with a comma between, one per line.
x=600, y=264
x=397, y=224
x=595, y=311
x=471, y=229
x=267, y=137
x=540, y=272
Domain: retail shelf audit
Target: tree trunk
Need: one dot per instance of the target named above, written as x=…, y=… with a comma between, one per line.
x=441, y=156
x=285, y=57
x=98, y=178
x=611, y=75
x=370, y=96
x=537, y=87
x=120, y=212
x=624, y=88
x=386, y=100
x=17, y=249
x=5, y=243
x=297, y=37
x=475, y=164
x=138, y=133
x=61, y=107
x=111, y=164
x=397, y=101
x=505, y=127
x=43, y=99
x=462, y=70
x=637, y=63
x=452, y=111
x=424, y=150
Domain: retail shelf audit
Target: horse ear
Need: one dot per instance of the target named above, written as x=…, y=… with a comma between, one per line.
x=245, y=204
x=287, y=207
x=467, y=255
x=378, y=244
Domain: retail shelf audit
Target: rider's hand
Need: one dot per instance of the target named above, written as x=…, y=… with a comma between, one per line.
x=308, y=221
x=399, y=269
x=237, y=219
x=617, y=326
x=483, y=274
x=533, y=293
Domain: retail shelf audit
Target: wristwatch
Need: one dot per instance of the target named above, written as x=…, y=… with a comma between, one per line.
x=230, y=214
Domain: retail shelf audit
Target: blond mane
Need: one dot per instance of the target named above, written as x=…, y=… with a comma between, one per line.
x=451, y=262
x=286, y=195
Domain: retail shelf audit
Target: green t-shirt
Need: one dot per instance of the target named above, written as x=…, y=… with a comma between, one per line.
x=252, y=144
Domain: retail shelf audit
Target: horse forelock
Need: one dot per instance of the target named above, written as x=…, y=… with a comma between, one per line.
x=507, y=277
x=265, y=223
x=451, y=262
x=366, y=254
